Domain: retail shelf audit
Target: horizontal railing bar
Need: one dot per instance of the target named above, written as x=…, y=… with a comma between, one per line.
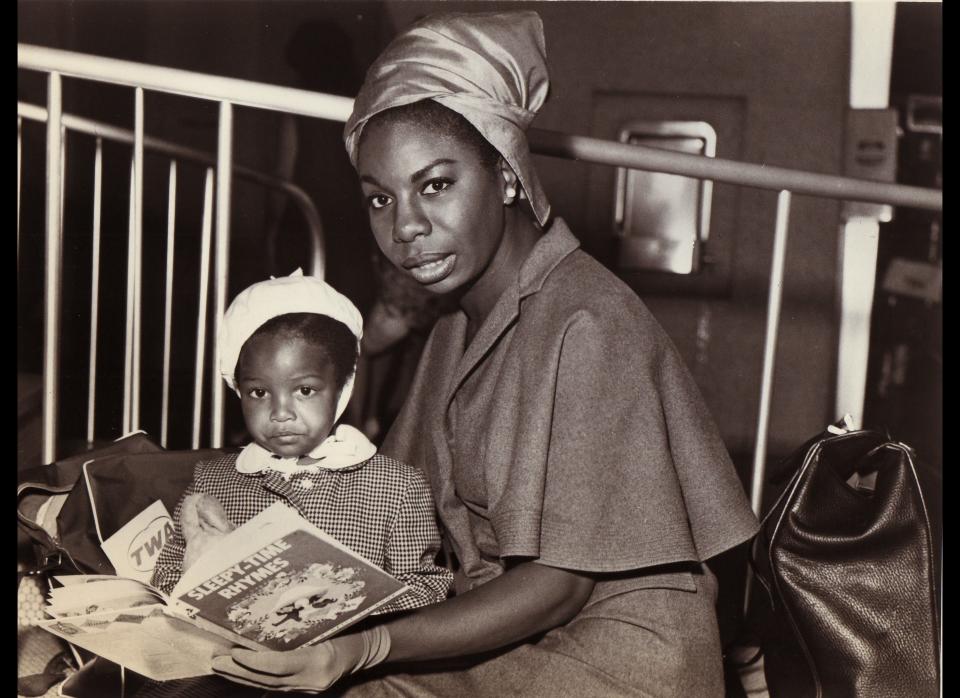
x=121, y=135
x=603, y=152
x=552, y=143
x=114, y=133
x=184, y=82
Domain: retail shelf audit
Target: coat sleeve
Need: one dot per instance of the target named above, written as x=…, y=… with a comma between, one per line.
x=167, y=572
x=413, y=547
x=633, y=454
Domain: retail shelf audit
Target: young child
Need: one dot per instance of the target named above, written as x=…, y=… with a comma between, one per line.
x=289, y=348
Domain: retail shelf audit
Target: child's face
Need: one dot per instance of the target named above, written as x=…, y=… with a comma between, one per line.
x=288, y=392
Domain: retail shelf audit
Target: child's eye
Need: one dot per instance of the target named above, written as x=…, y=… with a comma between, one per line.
x=257, y=393
x=378, y=200
x=306, y=390
x=435, y=186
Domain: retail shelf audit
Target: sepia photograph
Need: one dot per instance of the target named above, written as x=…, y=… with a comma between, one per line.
x=585, y=348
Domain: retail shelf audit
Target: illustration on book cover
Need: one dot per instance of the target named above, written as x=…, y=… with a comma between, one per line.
x=280, y=597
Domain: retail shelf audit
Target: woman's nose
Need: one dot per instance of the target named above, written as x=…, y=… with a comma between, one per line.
x=411, y=223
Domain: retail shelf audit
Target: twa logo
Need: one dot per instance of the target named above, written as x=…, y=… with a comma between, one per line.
x=145, y=546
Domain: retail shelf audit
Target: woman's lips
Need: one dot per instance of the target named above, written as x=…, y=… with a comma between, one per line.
x=430, y=268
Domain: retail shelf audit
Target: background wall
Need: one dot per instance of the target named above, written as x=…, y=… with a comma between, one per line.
x=780, y=67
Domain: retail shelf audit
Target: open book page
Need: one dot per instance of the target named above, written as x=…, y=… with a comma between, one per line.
x=144, y=639
x=92, y=593
x=282, y=582
x=70, y=579
x=276, y=582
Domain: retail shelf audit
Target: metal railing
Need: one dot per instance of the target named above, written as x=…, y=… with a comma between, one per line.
x=229, y=92
x=177, y=153
x=58, y=125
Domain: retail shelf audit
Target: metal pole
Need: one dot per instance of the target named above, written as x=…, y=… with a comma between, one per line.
x=224, y=175
x=53, y=269
x=94, y=288
x=202, y=306
x=63, y=167
x=131, y=302
x=96, y=128
x=185, y=82
x=168, y=301
x=19, y=170
x=747, y=174
x=769, y=356
x=138, y=255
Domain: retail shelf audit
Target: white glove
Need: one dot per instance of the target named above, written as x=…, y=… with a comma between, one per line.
x=204, y=522
x=308, y=669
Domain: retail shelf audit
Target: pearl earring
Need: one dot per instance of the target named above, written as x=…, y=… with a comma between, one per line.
x=511, y=193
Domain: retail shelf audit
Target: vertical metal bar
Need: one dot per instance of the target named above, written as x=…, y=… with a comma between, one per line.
x=769, y=356
x=168, y=302
x=224, y=176
x=131, y=301
x=63, y=170
x=94, y=289
x=53, y=268
x=19, y=169
x=137, y=254
x=202, y=306
x=857, y=251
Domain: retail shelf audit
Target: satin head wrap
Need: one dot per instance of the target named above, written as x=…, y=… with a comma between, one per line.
x=268, y=299
x=488, y=67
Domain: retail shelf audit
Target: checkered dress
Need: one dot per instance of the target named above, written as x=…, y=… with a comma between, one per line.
x=381, y=509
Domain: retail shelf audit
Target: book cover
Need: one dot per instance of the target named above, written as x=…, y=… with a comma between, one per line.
x=276, y=582
x=291, y=586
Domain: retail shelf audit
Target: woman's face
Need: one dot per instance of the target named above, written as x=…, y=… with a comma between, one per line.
x=435, y=208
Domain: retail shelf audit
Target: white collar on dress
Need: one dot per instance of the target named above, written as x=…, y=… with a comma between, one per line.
x=346, y=446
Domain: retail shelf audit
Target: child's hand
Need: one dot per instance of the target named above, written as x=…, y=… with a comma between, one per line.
x=204, y=522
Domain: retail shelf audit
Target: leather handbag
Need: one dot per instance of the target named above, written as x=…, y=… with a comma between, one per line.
x=845, y=561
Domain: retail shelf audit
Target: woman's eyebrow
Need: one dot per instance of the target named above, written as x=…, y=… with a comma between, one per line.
x=370, y=180
x=423, y=170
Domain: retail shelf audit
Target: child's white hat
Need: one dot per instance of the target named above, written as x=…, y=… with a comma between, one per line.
x=278, y=296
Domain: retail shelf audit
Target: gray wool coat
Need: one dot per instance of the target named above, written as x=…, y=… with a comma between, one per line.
x=569, y=432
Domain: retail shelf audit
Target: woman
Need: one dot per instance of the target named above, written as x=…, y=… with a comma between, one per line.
x=579, y=479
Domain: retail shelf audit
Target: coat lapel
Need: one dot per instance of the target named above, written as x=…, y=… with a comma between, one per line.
x=549, y=251
x=500, y=318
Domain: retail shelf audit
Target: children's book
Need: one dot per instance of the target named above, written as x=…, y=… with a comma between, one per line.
x=277, y=582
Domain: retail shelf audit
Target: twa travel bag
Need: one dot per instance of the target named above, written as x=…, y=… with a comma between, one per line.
x=69, y=508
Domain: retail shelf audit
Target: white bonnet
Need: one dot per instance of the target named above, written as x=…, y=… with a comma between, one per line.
x=278, y=296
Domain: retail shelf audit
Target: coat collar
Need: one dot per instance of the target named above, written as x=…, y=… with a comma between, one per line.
x=553, y=246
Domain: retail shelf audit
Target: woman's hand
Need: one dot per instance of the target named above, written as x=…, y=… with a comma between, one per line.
x=526, y=600
x=204, y=523
x=308, y=669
